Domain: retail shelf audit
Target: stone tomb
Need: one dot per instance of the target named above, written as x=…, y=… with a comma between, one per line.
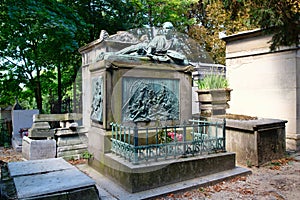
x=48, y=179
x=137, y=87
x=256, y=142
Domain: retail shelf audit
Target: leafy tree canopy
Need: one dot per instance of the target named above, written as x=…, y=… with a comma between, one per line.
x=34, y=37
x=278, y=17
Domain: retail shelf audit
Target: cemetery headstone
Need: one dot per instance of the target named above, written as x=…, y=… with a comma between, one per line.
x=21, y=123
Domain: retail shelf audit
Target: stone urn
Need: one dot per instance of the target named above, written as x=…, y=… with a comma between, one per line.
x=213, y=101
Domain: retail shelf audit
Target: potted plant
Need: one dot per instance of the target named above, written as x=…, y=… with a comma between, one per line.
x=213, y=94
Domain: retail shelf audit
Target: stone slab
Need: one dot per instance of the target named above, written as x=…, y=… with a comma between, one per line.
x=68, y=131
x=42, y=125
x=52, y=182
x=37, y=166
x=41, y=133
x=56, y=117
x=74, y=140
x=253, y=125
x=42, y=177
x=71, y=147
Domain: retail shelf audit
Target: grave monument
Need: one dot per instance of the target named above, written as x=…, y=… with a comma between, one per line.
x=21, y=122
x=142, y=79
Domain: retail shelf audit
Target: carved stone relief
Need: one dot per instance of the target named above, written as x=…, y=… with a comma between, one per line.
x=97, y=99
x=150, y=99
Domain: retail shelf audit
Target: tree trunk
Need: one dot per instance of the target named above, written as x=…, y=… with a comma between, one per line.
x=59, y=100
x=38, y=91
x=74, y=96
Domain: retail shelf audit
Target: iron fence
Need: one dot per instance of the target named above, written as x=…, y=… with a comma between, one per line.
x=138, y=144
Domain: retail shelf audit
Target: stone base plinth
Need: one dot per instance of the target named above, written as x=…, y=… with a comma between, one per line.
x=71, y=143
x=136, y=178
x=16, y=143
x=38, y=149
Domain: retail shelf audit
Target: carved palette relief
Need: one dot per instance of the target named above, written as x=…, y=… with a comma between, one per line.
x=150, y=99
x=97, y=99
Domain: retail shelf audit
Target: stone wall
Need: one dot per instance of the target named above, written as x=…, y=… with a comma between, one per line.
x=265, y=84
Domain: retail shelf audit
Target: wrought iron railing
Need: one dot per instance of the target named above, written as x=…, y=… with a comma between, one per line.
x=138, y=144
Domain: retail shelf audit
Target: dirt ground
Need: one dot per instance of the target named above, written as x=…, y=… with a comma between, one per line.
x=277, y=180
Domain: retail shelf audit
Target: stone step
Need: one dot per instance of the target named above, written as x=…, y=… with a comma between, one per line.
x=150, y=175
x=109, y=190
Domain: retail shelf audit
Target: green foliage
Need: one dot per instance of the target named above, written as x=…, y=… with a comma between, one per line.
x=278, y=17
x=36, y=37
x=212, y=81
x=156, y=12
x=86, y=155
x=212, y=19
x=249, y=163
x=163, y=137
x=6, y=145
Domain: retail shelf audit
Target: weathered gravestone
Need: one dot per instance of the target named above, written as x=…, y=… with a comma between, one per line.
x=21, y=122
x=47, y=179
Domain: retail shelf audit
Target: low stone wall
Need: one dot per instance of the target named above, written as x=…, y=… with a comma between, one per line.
x=256, y=142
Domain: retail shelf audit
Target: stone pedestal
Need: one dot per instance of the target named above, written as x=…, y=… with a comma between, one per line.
x=71, y=143
x=214, y=101
x=38, y=149
x=40, y=130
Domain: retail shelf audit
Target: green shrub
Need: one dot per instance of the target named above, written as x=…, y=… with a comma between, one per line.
x=86, y=155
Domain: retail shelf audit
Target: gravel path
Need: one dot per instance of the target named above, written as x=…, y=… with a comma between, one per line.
x=278, y=180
